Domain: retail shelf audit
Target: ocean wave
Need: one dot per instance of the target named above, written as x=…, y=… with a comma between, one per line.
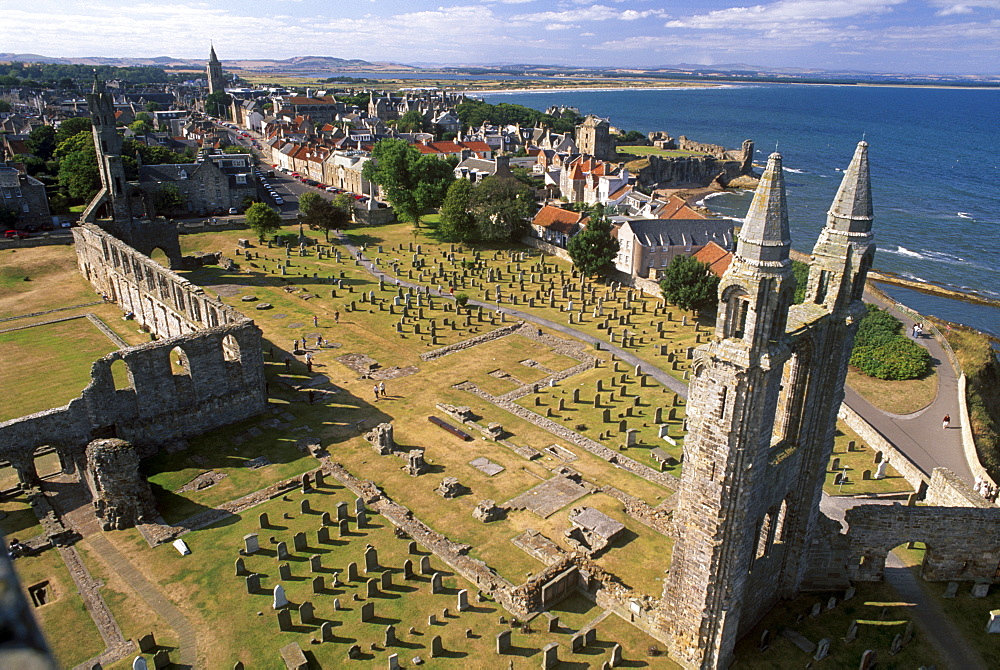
x=788, y=169
x=964, y=215
x=938, y=256
x=701, y=203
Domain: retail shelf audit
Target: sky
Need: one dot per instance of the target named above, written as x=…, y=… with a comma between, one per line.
x=911, y=36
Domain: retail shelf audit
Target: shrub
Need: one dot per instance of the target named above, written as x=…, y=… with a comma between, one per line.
x=882, y=351
x=461, y=299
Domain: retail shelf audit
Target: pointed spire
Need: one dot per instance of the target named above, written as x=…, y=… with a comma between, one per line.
x=764, y=238
x=852, y=207
x=212, y=58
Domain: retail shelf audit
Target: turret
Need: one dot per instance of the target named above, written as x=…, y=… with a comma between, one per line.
x=758, y=286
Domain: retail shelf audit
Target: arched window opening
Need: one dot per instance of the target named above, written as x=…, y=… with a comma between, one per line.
x=789, y=417
x=736, y=306
x=859, y=279
x=822, y=286
x=779, y=524
x=230, y=349
x=121, y=375
x=179, y=363
x=762, y=537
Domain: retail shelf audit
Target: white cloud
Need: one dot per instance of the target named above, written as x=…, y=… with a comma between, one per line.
x=784, y=13
x=591, y=13
x=949, y=8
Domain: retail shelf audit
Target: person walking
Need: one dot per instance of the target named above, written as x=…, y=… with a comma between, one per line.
x=336, y=316
x=381, y=389
x=946, y=421
x=375, y=391
x=315, y=321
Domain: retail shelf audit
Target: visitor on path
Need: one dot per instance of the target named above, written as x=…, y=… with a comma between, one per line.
x=288, y=364
x=295, y=345
x=315, y=321
x=336, y=316
x=319, y=341
x=381, y=389
x=946, y=422
x=375, y=391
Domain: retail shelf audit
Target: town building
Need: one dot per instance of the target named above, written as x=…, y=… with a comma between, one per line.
x=647, y=246
x=23, y=194
x=556, y=225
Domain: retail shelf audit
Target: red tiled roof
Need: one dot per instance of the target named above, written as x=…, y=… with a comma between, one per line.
x=718, y=259
x=677, y=208
x=558, y=219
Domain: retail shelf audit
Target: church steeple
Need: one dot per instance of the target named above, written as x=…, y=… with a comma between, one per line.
x=852, y=207
x=216, y=79
x=764, y=239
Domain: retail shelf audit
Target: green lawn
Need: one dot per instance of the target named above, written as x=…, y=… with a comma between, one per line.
x=639, y=150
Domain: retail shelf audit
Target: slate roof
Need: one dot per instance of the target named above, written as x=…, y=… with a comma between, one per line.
x=682, y=232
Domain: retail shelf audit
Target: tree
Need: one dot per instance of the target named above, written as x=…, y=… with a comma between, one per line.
x=217, y=103
x=593, y=249
x=4, y=105
x=326, y=215
x=412, y=122
x=167, y=199
x=72, y=127
x=307, y=201
x=152, y=106
x=42, y=141
x=689, y=284
x=263, y=220
x=140, y=127
x=502, y=208
x=801, y=272
x=411, y=182
x=458, y=223
x=882, y=350
x=8, y=217
x=78, y=173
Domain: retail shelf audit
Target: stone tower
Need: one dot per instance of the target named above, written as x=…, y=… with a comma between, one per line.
x=216, y=80
x=593, y=137
x=108, y=144
x=762, y=411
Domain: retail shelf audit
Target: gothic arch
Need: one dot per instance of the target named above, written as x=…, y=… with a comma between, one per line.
x=121, y=375
x=180, y=364
x=794, y=386
x=230, y=349
x=735, y=305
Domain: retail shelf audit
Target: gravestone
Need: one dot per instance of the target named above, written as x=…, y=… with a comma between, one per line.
x=323, y=535
x=993, y=625
x=616, y=655
x=316, y=562
x=868, y=659
x=951, y=591
x=371, y=588
x=319, y=478
x=251, y=544
x=816, y=609
x=362, y=520
x=318, y=584
x=264, y=521
x=353, y=651
x=304, y=506
x=343, y=528
x=407, y=569
x=765, y=640
x=307, y=612
x=425, y=565
x=367, y=612
x=284, y=571
x=284, y=620
x=359, y=505
x=280, y=600
x=980, y=589
x=503, y=641
x=352, y=572
x=553, y=624
x=253, y=583
x=432, y=620
x=822, y=649
x=282, y=550
x=463, y=600
x=550, y=655
x=880, y=471
x=852, y=632
x=590, y=636
x=147, y=643
x=371, y=559
x=849, y=593
x=161, y=659
x=390, y=636
x=436, y=583
x=326, y=519
x=336, y=604
x=393, y=661
x=896, y=645
x=326, y=631
x=139, y=663
x=241, y=568
x=386, y=580
x=436, y=646
x=576, y=643
x=831, y=603
x=411, y=548
x=341, y=511
x=299, y=542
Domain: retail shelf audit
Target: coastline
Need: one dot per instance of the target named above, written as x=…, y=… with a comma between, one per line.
x=595, y=89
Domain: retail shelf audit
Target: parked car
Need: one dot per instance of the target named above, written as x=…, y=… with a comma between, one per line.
x=331, y=189
x=233, y=210
x=279, y=200
x=65, y=224
x=16, y=235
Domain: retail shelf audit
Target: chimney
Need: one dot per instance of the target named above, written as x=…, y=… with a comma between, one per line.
x=466, y=153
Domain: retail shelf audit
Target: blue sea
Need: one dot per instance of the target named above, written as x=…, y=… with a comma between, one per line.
x=935, y=166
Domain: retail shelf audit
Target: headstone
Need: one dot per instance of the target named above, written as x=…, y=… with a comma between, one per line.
x=299, y=542
x=880, y=471
x=316, y=562
x=503, y=641
x=139, y=663
x=576, y=643
x=344, y=528
x=352, y=572
x=284, y=571
x=253, y=583
x=436, y=646
x=371, y=559
x=161, y=659
x=250, y=543
x=896, y=645
x=326, y=631
x=386, y=583
x=390, y=636
x=280, y=600
x=550, y=655
x=304, y=506
x=407, y=569
x=336, y=604
x=951, y=591
x=353, y=652
x=849, y=593
x=307, y=612
x=342, y=511
x=590, y=636
x=284, y=620
x=393, y=661
x=323, y=535
x=765, y=640
x=822, y=649
x=852, y=632
x=980, y=589
x=147, y=643
x=816, y=609
x=282, y=550
x=425, y=565
x=993, y=625
x=264, y=522
x=318, y=584
x=553, y=624
x=463, y=600
x=411, y=548
x=241, y=568
x=432, y=620
x=868, y=659
x=831, y=603
x=361, y=520
x=359, y=505
x=372, y=588
x=367, y=612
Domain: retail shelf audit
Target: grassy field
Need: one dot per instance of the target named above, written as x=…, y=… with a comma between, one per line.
x=895, y=397
x=853, y=463
x=640, y=150
x=244, y=628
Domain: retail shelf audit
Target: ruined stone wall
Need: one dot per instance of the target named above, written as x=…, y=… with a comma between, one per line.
x=671, y=171
x=963, y=543
x=949, y=490
x=222, y=381
x=161, y=300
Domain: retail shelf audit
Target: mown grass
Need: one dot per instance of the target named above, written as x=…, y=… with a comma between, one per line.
x=853, y=464
x=896, y=397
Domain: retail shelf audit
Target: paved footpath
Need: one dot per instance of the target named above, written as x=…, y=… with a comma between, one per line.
x=918, y=435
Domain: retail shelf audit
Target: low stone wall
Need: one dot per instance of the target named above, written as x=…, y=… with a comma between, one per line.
x=546, y=248
x=903, y=465
x=496, y=334
x=948, y=490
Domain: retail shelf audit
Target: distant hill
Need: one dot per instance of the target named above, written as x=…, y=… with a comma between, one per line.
x=289, y=65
